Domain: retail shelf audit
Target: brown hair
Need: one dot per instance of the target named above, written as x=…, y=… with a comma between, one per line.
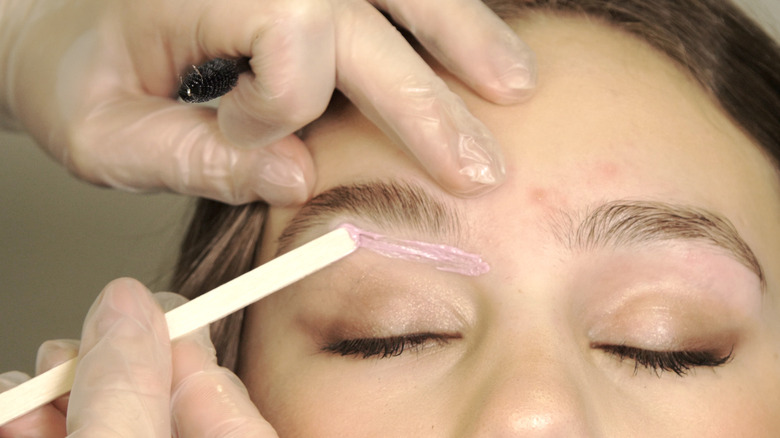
x=727, y=53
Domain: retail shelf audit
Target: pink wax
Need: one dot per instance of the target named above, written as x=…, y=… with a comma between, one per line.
x=443, y=257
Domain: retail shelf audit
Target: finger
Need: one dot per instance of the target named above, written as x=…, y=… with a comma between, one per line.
x=291, y=45
x=181, y=148
x=169, y=300
x=473, y=43
x=52, y=353
x=209, y=400
x=123, y=379
x=397, y=90
x=44, y=422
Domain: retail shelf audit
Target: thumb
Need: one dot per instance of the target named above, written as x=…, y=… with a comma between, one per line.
x=123, y=379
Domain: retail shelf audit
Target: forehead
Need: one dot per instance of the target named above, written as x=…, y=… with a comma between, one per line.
x=611, y=119
x=602, y=94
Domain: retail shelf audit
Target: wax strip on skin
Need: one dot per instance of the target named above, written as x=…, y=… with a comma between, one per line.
x=443, y=257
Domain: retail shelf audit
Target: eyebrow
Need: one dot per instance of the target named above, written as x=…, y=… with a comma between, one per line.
x=391, y=206
x=623, y=223
x=397, y=206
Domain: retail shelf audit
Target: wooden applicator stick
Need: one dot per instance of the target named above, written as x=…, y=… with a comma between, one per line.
x=201, y=311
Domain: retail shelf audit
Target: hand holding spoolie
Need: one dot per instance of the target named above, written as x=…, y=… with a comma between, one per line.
x=94, y=83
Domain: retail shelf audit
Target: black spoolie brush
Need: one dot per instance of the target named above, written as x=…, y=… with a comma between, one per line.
x=211, y=80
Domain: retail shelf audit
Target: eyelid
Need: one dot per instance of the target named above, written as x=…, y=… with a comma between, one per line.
x=660, y=321
x=685, y=283
x=367, y=297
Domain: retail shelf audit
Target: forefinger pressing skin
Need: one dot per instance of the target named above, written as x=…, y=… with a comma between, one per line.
x=473, y=43
x=398, y=91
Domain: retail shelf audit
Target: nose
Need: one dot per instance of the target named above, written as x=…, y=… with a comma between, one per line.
x=530, y=397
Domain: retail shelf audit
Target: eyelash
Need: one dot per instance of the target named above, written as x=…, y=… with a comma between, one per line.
x=678, y=362
x=391, y=346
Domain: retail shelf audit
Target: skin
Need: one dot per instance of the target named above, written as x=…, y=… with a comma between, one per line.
x=612, y=120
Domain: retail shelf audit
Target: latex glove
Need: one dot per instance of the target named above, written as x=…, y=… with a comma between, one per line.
x=93, y=81
x=132, y=382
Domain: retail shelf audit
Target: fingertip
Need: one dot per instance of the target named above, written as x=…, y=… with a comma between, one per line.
x=487, y=180
x=283, y=173
x=169, y=300
x=122, y=300
x=128, y=296
x=514, y=72
x=128, y=284
x=481, y=162
x=473, y=180
x=460, y=153
x=12, y=379
x=517, y=84
x=54, y=352
x=476, y=45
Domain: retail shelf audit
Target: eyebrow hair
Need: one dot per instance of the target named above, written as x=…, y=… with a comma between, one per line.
x=391, y=206
x=622, y=223
x=397, y=206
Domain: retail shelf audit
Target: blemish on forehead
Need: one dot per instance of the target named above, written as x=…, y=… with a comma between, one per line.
x=537, y=195
x=545, y=198
x=558, y=188
x=598, y=172
x=607, y=170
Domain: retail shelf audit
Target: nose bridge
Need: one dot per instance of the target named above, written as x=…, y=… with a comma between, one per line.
x=531, y=393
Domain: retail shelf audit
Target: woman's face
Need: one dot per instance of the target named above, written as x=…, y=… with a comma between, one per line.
x=620, y=301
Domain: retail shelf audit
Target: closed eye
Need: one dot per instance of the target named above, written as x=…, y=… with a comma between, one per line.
x=391, y=346
x=679, y=362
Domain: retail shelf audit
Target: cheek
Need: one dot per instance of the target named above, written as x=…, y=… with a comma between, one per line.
x=740, y=413
x=757, y=401
x=306, y=403
x=297, y=407
x=742, y=399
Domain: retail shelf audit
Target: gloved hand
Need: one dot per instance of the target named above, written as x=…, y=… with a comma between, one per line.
x=93, y=81
x=131, y=381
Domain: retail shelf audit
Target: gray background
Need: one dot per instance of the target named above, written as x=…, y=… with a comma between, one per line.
x=62, y=240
